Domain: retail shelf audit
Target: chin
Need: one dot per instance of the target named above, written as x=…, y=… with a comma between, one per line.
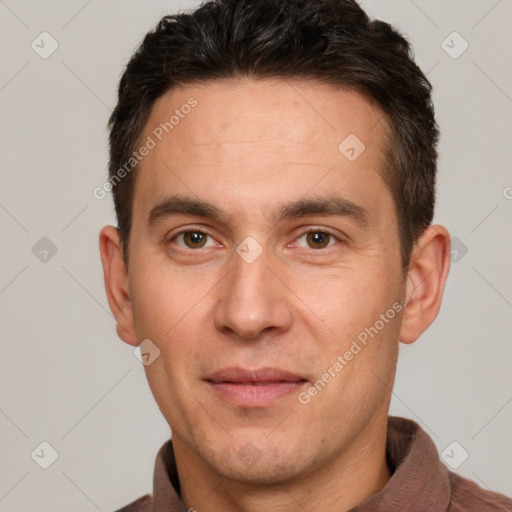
x=269, y=467
x=261, y=474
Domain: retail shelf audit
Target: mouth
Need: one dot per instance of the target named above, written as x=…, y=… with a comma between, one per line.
x=254, y=388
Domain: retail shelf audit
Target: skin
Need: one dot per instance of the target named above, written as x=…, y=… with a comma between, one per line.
x=249, y=147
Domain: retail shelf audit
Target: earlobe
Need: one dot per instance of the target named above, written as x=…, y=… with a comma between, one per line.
x=116, y=283
x=426, y=278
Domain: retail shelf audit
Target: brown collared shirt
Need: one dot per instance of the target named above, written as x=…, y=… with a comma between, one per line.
x=420, y=482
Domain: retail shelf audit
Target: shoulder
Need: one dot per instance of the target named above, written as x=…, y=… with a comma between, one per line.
x=467, y=496
x=143, y=504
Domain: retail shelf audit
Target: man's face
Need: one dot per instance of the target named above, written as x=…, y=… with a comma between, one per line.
x=226, y=297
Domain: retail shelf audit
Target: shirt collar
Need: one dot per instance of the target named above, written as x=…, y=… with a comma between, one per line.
x=420, y=481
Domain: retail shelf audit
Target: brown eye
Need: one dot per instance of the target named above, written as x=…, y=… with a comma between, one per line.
x=192, y=239
x=318, y=239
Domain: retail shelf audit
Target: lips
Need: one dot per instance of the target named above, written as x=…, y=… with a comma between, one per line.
x=259, y=376
x=254, y=388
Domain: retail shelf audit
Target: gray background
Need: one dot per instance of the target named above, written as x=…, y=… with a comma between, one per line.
x=65, y=376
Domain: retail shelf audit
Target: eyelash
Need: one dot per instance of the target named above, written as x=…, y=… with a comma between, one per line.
x=305, y=233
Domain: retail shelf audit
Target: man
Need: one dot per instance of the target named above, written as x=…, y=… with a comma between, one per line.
x=273, y=170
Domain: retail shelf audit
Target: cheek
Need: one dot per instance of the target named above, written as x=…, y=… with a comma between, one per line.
x=347, y=322
x=172, y=310
x=170, y=313
x=163, y=297
x=343, y=302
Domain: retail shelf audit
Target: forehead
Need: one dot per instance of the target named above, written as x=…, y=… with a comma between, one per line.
x=296, y=110
x=261, y=138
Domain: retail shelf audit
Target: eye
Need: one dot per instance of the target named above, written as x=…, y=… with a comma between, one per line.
x=193, y=239
x=316, y=239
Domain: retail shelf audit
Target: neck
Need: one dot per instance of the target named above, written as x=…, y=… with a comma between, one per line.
x=338, y=485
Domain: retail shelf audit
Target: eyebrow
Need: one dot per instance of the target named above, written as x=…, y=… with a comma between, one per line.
x=332, y=205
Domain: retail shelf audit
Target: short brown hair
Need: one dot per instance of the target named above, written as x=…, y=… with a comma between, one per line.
x=331, y=41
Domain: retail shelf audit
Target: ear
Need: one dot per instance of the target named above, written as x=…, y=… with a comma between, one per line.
x=117, y=284
x=426, y=278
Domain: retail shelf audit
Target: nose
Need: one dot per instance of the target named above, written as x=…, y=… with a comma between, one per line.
x=252, y=299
